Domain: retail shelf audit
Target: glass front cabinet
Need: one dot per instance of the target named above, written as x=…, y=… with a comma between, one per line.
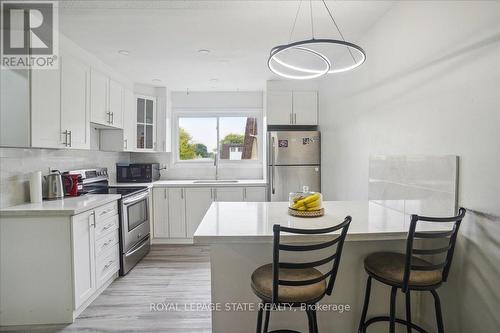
x=146, y=120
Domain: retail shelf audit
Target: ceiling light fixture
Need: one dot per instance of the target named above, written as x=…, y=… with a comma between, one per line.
x=156, y=80
x=124, y=52
x=275, y=61
x=203, y=51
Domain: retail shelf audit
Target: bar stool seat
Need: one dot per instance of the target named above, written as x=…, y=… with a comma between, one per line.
x=262, y=285
x=389, y=267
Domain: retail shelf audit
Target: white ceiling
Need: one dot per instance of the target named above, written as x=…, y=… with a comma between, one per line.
x=164, y=37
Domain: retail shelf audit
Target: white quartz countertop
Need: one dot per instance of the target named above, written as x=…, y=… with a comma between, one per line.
x=197, y=183
x=66, y=206
x=244, y=222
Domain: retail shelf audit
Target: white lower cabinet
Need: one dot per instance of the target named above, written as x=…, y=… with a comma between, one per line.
x=198, y=200
x=83, y=234
x=96, y=255
x=177, y=212
x=54, y=265
x=229, y=194
x=255, y=194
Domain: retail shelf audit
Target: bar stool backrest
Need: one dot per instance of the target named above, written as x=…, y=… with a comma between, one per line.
x=334, y=258
x=450, y=236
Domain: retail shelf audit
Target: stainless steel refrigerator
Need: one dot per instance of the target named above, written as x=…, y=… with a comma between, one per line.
x=294, y=161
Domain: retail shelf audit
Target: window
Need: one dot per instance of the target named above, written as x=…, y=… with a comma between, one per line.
x=227, y=138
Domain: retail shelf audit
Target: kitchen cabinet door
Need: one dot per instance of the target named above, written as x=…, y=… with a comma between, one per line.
x=255, y=194
x=83, y=228
x=229, y=194
x=98, y=98
x=160, y=213
x=46, y=129
x=75, y=113
x=129, y=121
x=198, y=200
x=176, y=212
x=279, y=107
x=116, y=104
x=305, y=108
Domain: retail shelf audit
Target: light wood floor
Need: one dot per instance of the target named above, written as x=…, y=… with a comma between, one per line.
x=168, y=274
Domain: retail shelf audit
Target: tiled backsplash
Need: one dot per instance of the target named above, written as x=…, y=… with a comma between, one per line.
x=16, y=164
x=426, y=184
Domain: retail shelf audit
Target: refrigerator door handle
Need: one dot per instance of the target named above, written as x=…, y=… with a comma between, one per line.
x=272, y=165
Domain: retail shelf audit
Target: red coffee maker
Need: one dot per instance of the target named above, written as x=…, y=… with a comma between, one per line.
x=70, y=183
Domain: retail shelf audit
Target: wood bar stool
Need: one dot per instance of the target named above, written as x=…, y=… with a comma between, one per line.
x=297, y=284
x=407, y=272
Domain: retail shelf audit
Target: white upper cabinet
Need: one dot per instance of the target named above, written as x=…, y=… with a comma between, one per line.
x=46, y=131
x=279, y=107
x=98, y=97
x=116, y=103
x=146, y=123
x=60, y=105
x=292, y=108
x=106, y=100
x=75, y=102
x=129, y=121
x=305, y=108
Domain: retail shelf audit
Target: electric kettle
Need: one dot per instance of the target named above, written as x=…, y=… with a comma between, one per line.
x=53, y=186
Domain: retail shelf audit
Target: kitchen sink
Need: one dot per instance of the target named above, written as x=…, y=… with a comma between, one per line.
x=215, y=181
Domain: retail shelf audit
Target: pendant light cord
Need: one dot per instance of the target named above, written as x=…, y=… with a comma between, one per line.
x=338, y=29
x=294, y=22
x=312, y=21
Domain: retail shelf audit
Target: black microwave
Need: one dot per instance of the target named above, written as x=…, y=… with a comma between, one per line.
x=137, y=172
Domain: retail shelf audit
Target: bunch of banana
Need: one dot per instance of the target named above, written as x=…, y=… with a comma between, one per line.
x=310, y=202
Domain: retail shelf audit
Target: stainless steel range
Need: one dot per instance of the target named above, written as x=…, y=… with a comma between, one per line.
x=134, y=213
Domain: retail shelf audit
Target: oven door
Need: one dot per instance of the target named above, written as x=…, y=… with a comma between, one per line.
x=135, y=219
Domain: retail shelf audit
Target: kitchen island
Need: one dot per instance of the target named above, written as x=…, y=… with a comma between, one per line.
x=240, y=238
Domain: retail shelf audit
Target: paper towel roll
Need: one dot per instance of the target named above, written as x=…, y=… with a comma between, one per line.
x=36, y=187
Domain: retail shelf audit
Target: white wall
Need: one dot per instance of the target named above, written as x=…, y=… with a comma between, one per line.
x=430, y=86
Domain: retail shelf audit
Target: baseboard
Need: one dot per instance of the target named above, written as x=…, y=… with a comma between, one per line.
x=172, y=241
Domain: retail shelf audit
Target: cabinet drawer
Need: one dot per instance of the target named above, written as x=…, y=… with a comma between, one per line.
x=102, y=227
x=107, y=241
x=107, y=265
x=103, y=212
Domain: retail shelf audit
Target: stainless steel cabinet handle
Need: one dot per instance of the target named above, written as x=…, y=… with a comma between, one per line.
x=112, y=117
x=65, y=138
x=108, y=264
x=182, y=193
x=291, y=119
x=92, y=221
x=295, y=118
x=126, y=143
x=70, y=138
x=245, y=194
x=165, y=194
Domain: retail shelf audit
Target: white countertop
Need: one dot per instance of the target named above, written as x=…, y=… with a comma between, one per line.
x=196, y=183
x=66, y=206
x=244, y=222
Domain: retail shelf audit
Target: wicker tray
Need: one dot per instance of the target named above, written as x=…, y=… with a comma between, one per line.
x=306, y=213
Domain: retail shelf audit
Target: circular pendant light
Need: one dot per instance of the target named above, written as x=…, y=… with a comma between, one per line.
x=312, y=74
x=302, y=72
